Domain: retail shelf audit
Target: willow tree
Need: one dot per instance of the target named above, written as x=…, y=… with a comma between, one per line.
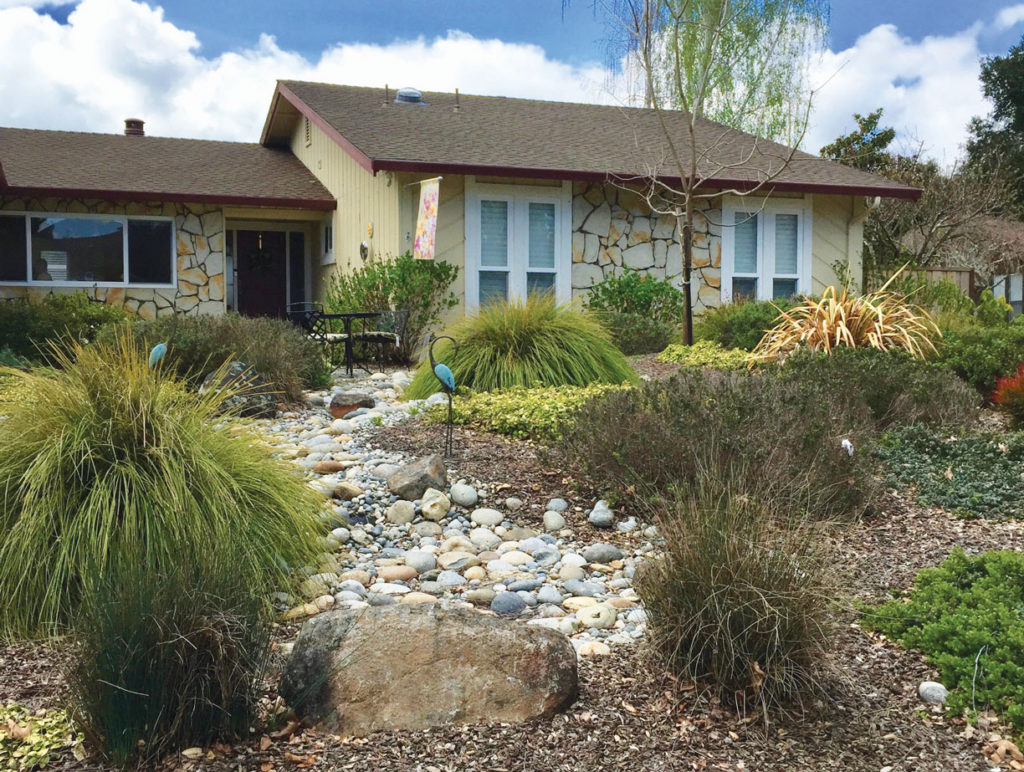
x=740, y=63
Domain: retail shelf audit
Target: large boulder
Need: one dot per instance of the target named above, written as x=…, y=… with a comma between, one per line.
x=248, y=393
x=411, y=481
x=354, y=672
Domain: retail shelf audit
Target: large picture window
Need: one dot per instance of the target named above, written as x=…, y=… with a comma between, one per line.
x=766, y=252
x=68, y=249
x=517, y=242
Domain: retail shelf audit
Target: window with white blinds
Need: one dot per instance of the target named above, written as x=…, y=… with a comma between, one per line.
x=516, y=242
x=766, y=251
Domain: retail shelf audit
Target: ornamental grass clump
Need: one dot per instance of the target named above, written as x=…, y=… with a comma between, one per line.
x=738, y=601
x=106, y=461
x=169, y=659
x=880, y=320
x=528, y=343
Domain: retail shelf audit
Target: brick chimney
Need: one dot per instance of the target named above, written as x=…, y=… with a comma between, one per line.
x=133, y=127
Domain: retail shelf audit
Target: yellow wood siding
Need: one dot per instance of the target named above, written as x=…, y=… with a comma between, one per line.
x=364, y=201
x=836, y=240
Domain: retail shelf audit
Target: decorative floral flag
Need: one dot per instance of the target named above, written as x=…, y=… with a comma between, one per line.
x=426, y=222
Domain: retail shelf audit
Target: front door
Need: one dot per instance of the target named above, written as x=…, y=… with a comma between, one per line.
x=261, y=272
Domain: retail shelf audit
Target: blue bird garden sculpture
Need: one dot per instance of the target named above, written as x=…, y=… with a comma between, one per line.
x=157, y=354
x=446, y=378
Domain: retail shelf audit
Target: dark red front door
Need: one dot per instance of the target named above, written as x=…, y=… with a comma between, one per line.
x=261, y=267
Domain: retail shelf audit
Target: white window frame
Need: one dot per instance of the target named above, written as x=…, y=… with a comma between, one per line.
x=172, y=253
x=519, y=198
x=766, y=209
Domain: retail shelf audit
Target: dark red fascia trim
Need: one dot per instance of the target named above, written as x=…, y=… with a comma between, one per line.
x=318, y=204
x=3, y=179
x=395, y=165
x=283, y=91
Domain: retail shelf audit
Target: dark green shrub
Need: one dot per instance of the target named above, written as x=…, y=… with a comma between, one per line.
x=528, y=343
x=704, y=354
x=942, y=297
x=898, y=389
x=633, y=292
x=635, y=333
x=739, y=325
x=965, y=615
x=981, y=355
x=9, y=359
x=106, y=461
x=168, y=660
x=971, y=476
x=784, y=439
x=276, y=349
x=737, y=601
x=28, y=329
x=541, y=414
x=421, y=287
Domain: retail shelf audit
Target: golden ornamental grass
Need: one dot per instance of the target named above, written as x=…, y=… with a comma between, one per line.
x=881, y=320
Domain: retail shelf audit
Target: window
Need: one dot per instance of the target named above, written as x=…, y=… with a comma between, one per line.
x=86, y=249
x=326, y=244
x=517, y=242
x=765, y=250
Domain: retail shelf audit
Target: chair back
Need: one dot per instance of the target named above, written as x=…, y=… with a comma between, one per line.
x=303, y=314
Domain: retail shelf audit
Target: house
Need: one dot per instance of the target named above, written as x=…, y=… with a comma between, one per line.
x=532, y=195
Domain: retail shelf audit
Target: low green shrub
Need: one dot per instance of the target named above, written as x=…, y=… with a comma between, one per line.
x=9, y=359
x=1009, y=397
x=48, y=732
x=965, y=615
x=106, y=460
x=704, y=354
x=196, y=345
x=528, y=343
x=940, y=297
x=28, y=330
x=634, y=292
x=898, y=390
x=540, y=414
x=981, y=355
x=420, y=287
x=168, y=660
x=739, y=324
x=971, y=476
x=737, y=601
x=782, y=437
x=635, y=333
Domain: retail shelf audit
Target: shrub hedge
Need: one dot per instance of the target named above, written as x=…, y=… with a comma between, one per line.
x=704, y=354
x=29, y=330
x=739, y=324
x=782, y=439
x=196, y=345
x=981, y=355
x=544, y=413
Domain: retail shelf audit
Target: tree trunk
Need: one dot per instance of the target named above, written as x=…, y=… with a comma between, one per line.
x=687, y=230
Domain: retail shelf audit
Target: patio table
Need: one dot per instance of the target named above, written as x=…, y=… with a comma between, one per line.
x=346, y=320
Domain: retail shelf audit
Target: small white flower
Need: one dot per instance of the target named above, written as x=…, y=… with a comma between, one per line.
x=847, y=446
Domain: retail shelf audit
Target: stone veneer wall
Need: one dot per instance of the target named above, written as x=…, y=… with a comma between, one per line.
x=613, y=228
x=199, y=231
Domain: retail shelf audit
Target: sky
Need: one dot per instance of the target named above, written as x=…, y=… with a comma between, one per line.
x=197, y=68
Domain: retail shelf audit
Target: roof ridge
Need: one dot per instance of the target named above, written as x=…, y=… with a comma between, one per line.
x=122, y=135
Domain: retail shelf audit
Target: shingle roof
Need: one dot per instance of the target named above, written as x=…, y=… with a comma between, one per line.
x=148, y=168
x=554, y=139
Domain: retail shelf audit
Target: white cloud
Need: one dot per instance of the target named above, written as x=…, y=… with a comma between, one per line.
x=119, y=58
x=24, y=3
x=929, y=89
x=1009, y=17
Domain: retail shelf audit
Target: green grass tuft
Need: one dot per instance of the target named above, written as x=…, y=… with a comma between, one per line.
x=106, y=461
x=526, y=344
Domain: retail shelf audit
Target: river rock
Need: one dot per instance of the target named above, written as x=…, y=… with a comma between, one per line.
x=485, y=516
x=411, y=481
x=553, y=521
x=601, y=553
x=344, y=402
x=601, y=515
x=464, y=495
x=435, y=505
x=401, y=512
x=932, y=692
x=421, y=666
